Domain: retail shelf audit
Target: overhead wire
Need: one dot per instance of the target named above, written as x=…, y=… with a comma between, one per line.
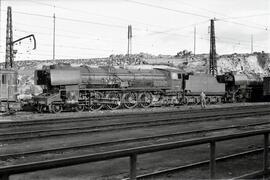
x=224, y=16
x=248, y=16
x=91, y=13
x=112, y=17
x=169, y=9
x=71, y=19
x=265, y=28
x=120, y=26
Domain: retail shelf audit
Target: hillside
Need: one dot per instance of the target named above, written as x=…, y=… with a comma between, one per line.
x=254, y=65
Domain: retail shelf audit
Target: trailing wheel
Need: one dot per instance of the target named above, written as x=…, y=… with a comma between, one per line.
x=207, y=100
x=56, y=108
x=79, y=108
x=115, y=98
x=145, y=99
x=96, y=105
x=219, y=100
x=130, y=100
x=186, y=100
x=39, y=108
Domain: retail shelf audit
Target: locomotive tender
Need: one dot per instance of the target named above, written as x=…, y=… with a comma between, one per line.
x=93, y=88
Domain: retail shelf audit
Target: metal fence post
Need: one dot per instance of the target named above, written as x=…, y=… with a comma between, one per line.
x=133, y=166
x=212, y=159
x=265, y=153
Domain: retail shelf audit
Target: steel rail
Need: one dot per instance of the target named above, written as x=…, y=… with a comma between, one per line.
x=120, y=115
x=198, y=164
x=5, y=172
x=201, y=112
x=4, y=157
x=120, y=126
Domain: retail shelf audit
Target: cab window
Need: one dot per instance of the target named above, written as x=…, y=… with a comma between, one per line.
x=4, y=79
x=174, y=75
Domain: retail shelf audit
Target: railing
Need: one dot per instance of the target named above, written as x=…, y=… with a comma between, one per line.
x=5, y=172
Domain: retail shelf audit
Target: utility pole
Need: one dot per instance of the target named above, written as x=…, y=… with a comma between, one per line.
x=251, y=43
x=9, y=60
x=212, y=56
x=129, y=40
x=53, y=36
x=9, y=40
x=194, y=40
x=0, y=24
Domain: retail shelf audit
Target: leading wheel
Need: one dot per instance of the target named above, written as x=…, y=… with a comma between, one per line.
x=79, y=108
x=56, y=108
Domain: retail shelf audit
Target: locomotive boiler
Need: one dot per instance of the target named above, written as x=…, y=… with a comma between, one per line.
x=93, y=88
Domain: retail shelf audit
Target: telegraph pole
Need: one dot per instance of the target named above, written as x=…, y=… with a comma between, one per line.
x=53, y=36
x=0, y=24
x=212, y=56
x=194, y=40
x=251, y=43
x=9, y=40
x=129, y=40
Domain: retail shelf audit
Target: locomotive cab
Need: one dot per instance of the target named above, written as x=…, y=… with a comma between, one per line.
x=176, y=80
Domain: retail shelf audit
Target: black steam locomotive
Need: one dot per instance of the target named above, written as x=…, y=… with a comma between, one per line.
x=94, y=88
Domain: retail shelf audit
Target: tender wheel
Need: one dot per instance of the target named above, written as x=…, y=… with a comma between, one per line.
x=95, y=105
x=145, y=99
x=116, y=98
x=130, y=100
x=79, y=108
x=186, y=100
x=207, y=100
x=198, y=100
x=39, y=108
x=56, y=108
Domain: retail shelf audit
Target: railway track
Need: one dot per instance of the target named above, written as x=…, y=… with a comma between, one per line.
x=143, y=123
x=121, y=115
x=197, y=164
x=147, y=139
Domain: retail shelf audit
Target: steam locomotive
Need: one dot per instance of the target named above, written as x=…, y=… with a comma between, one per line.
x=94, y=88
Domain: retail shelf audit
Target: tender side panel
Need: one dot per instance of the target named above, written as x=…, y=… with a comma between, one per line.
x=206, y=83
x=65, y=77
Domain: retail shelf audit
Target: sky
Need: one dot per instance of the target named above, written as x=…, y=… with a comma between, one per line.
x=98, y=28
